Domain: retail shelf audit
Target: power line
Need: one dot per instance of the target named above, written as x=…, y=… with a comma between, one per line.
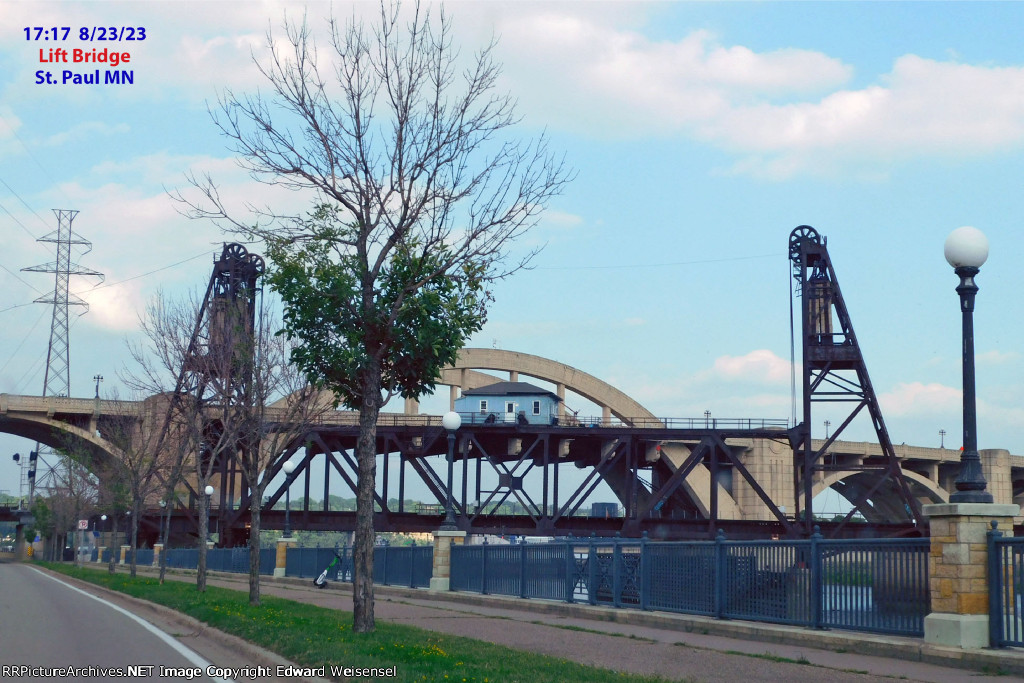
x=660, y=265
x=16, y=277
x=136, y=277
x=14, y=218
x=23, y=202
x=25, y=339
x=35, y=159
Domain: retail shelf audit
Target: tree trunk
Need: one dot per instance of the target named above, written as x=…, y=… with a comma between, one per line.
x=204, y=513
x=113, y=549
x=254, y=546
x=165, y=521
x=134, y=543
x=366, y=458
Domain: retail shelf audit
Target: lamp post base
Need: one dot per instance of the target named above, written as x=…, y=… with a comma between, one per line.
x=442, y=570
x=971, y=497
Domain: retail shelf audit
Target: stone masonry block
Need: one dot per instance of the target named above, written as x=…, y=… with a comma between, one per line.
x=956, y=553
x=946, y=588
x=972, y=532
x=973, y=603
x=971, y=571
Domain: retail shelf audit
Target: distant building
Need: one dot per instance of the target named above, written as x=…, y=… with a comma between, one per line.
x=508, y=402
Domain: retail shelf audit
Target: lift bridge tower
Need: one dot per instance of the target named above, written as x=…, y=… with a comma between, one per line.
x=57, y=380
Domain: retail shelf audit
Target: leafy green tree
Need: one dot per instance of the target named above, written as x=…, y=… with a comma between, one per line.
x=418, y=196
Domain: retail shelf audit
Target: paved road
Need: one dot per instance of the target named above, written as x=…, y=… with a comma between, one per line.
x=44, y=622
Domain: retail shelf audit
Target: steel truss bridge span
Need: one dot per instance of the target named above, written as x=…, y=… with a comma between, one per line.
x=667, y=476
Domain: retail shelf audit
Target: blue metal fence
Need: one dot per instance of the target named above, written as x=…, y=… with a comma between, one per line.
x=310, y=562
x=872, y=585
x=1005, y=572
x=409, y=566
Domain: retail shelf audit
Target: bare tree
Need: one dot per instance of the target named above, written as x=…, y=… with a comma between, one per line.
x=238, y=368
x=176, y=415
x=418, y=200
x=144, y=459
x=71, y=494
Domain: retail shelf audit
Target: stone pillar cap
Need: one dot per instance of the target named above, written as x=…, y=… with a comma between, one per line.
x=971, y=510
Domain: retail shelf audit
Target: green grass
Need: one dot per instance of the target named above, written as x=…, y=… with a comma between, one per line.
x=314, y=636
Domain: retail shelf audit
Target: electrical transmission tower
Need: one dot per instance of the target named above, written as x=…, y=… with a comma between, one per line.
x=57, y=380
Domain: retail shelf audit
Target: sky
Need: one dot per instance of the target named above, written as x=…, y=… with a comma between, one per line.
x=701, y=134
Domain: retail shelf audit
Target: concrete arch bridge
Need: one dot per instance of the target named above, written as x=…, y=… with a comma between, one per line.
x=540, y=479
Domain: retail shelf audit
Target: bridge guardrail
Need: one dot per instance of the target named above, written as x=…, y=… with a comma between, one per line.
x=351, y=418
x=346, y=418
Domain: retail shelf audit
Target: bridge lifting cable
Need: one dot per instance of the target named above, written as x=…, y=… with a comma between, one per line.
x=833, y=371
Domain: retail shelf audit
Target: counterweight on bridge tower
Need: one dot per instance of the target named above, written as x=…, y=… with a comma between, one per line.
x=57, y=379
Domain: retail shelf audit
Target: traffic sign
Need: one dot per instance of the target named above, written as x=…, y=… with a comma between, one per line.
x=83, y=524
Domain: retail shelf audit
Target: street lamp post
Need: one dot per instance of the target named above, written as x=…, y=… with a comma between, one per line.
x=209, y=510
x=966, y=250
x=451, y=422
x=163, y=529
x=288, y=468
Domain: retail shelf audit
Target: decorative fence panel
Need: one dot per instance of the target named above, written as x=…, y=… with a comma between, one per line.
x=402, y=565
x=877, y=586
x=1005, y=572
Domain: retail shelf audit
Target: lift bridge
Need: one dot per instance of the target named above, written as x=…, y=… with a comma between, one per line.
x=672, y=478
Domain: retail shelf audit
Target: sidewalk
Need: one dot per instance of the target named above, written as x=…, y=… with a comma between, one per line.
x=678, y=647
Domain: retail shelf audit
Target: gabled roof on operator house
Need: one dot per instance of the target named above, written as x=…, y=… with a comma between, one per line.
x=510, y=389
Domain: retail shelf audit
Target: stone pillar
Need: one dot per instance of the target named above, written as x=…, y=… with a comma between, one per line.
x=158, y=549
x=412, y=406
x=442, y=570
x=124, y=553
x=281, y=559
x=958, y=571
x=100, y=549
x=995, y=467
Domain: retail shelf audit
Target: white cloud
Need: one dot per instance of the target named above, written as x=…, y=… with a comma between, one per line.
x=917, y=398
x=115, y=308
x=761, y=366
x=995, y=357
x=618, y=82
x=560, y=220
x=782, y=112
x=83, y=130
